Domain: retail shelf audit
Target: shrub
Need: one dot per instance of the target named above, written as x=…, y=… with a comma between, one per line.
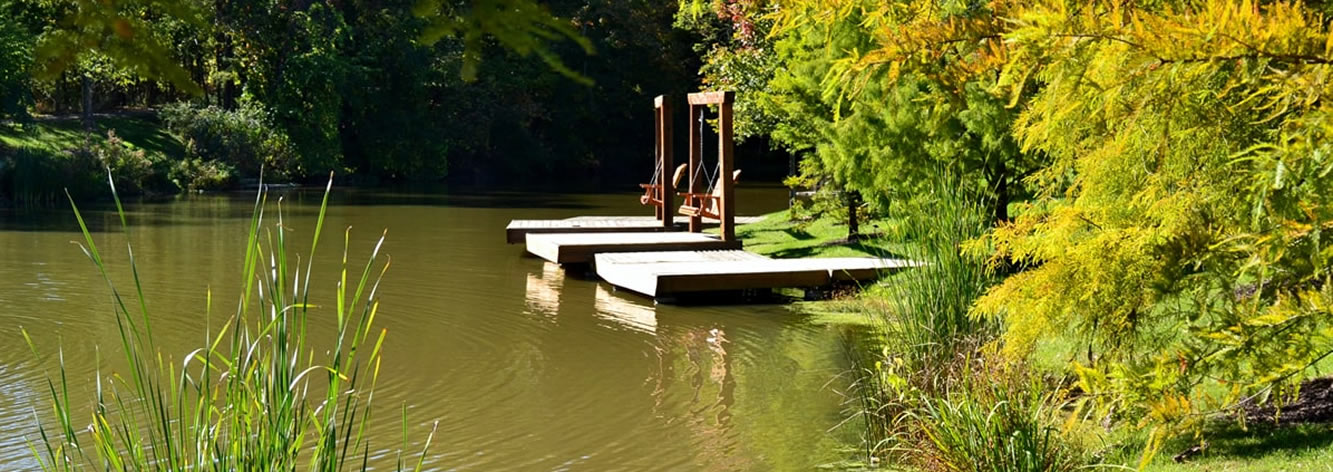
x=198, y=174
x=244, y=138
x=132, y=169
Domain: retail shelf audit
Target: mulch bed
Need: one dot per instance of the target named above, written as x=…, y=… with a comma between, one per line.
x=1313, y=405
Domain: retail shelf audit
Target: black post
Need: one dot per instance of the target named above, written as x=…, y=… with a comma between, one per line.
x=853, y=226
x=87, y=103
x=791, y=172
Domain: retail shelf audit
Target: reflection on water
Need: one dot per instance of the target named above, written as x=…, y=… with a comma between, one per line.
x=630, y=314
x=543, y=290
x=524, y=367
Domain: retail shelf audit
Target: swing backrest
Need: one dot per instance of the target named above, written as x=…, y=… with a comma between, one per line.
x=681, y=170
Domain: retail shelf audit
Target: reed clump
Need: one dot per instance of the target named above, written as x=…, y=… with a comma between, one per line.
x=935, y=391
x=256, y=395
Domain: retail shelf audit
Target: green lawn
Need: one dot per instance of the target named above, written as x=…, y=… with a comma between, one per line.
x=1296, y=448
x=780, y=237
x=57, y=135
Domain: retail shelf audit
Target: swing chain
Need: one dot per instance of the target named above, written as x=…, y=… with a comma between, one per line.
x=712, y=179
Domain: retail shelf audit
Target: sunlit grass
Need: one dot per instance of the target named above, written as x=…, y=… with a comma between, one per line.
x=779, y=236
x=1293, y=448
x=257, y=395
x=63, y=134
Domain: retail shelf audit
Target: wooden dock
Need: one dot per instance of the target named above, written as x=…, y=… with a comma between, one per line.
x=579, y=248
x=654, y=257
x=663, y=274
x=517, y=230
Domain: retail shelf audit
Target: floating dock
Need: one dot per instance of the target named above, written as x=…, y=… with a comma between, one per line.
x=579, y=248
x=664, y=274
x=652, y=256
x=518, y=230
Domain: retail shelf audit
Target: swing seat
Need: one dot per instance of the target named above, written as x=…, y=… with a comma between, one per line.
x=705, y=204
x=652, y=190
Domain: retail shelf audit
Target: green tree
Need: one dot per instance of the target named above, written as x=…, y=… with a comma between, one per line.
x=828, y=81
x=15, y=63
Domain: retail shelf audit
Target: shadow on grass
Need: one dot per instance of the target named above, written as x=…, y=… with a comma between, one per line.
x=1259, y=441
x=863, y=247
x=799, y=234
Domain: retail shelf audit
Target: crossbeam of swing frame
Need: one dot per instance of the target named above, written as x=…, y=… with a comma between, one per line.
x=699, y=102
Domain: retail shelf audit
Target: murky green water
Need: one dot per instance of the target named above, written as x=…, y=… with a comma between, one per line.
x=525, y=367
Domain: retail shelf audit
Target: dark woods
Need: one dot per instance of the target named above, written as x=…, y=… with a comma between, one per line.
x=352, y=86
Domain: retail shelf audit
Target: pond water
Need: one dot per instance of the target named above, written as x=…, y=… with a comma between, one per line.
x=523, y=366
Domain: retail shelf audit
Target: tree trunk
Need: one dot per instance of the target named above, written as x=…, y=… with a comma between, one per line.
x=87, y=113
x=222, y=57
x=1001, y=211
x=87, y=103
x=791, y=172
x=853, y=226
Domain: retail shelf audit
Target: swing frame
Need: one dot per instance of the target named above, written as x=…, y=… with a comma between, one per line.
x=661, y=193
x=696, y=202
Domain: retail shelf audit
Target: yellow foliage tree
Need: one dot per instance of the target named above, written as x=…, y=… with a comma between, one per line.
x=1179, y=221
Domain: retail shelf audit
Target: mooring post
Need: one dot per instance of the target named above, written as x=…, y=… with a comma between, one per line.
x=665, y=150
x=725, y=146
x=656, y=193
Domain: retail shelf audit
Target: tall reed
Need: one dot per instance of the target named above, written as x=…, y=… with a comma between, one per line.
x=929, y=310
x=931, y=393
x=922, y=315
x=995, y=419
x=256, y=395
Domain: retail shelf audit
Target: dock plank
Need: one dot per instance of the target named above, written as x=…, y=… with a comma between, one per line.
x=516, y=231
x=664, y=274
x=577, y=248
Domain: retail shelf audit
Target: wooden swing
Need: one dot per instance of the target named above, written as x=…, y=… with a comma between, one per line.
x=717, y=201
x=706, y=204
x=658, y=192
x=652, y=191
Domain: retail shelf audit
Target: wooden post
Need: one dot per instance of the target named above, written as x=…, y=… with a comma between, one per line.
x=667, y=190
x=657, y=157
x=696, y=111
x=725, y=150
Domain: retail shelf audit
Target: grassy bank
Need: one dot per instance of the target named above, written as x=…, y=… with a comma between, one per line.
x=42, y=158
x=181, y=147
x=55, y=135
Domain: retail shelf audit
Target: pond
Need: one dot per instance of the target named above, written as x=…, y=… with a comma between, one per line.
x=523, y=366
